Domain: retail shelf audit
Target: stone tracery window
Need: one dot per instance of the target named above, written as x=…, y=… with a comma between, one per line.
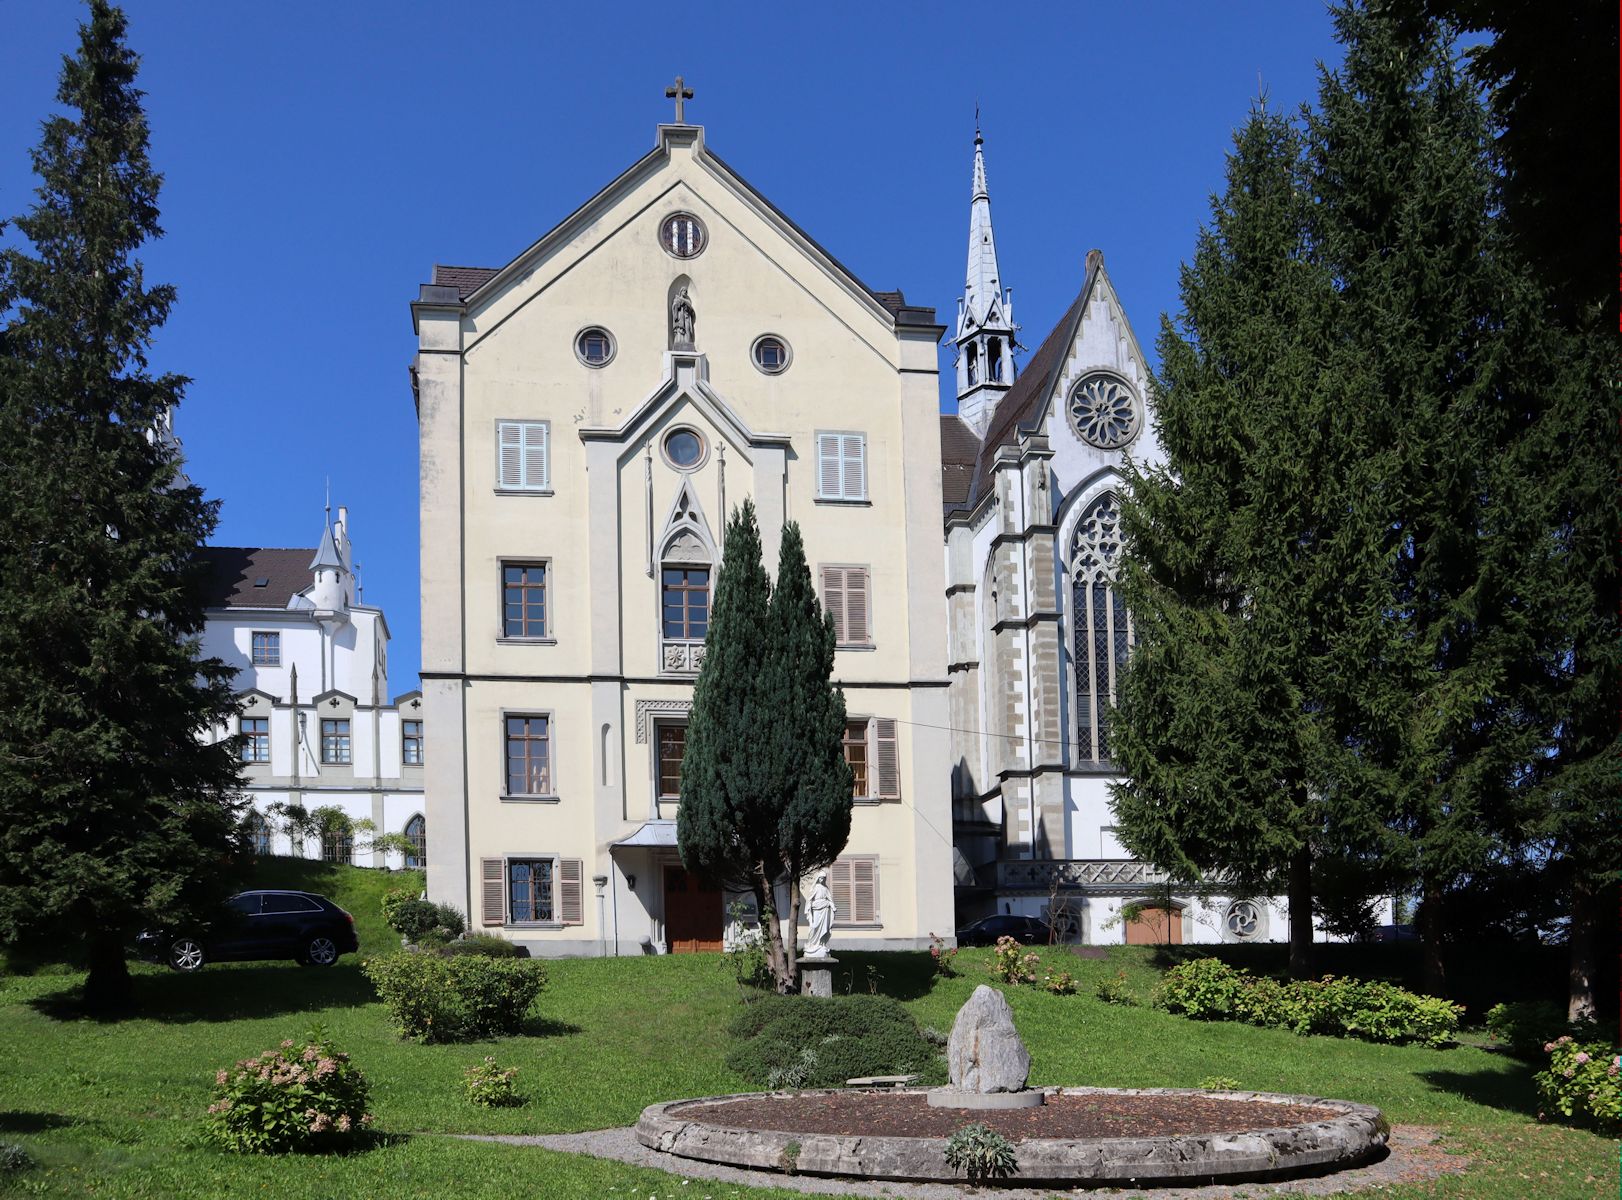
x=1102, y=624
x=1103, y=412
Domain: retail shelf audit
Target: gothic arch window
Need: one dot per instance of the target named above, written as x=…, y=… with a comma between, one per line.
x=260, y=833
x=1102, y=624
x=685, y=567
x=416, y=833
x=974, y=363
x=994, y=360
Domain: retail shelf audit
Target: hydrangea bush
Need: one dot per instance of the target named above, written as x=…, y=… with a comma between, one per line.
x=1011, y=964
x=1582, y=1083
x=300, y=1096
x=491, y=1085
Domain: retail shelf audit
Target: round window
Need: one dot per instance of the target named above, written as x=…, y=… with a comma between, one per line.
x=1244, y=920
x=771, y=354
x=684, y=448
x=682, y=235
x=594, y=346
x=1104, y=412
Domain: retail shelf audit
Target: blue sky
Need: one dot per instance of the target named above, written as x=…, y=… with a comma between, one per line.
x=320, y=157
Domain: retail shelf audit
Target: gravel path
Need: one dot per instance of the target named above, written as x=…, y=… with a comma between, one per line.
x=1415, y=1156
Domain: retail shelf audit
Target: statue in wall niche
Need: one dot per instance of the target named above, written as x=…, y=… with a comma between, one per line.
x=820, y=905
x=683, y=321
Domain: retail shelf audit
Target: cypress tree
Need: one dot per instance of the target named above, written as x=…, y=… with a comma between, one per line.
x=810, y=781
x=113, y=814
x=1246, y=575
x=726, y=827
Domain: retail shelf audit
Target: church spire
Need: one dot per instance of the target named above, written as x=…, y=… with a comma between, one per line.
x=985, y=320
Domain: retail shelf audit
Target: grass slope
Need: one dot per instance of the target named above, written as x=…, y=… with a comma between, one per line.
x=111, y=1108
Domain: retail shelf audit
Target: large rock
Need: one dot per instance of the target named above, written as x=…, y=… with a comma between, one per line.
x=985, y=1053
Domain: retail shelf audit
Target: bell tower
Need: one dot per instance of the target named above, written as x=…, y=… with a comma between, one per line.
x=985, y=314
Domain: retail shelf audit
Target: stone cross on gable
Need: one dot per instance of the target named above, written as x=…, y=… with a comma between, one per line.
x=679, y=93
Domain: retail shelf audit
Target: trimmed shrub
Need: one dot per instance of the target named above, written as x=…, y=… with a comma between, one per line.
x=1583, y=1084
x=420, y=921
x=448, y=919
x=489, y=945
x=298, y=1097
x=1526, y=1028
x=1204, y=989
x=805, y=1041
x=436, y=999
x=1209, y=989
x=490, y=1085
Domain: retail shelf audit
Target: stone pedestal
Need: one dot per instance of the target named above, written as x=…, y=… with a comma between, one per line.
x=817, y=976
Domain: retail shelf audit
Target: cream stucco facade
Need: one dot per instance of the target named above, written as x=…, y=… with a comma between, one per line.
x=568, y=358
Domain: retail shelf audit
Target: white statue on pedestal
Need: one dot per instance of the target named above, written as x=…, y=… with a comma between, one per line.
x=820, y=904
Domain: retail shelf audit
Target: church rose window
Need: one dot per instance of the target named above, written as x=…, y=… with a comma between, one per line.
x=1103, y=626
x=594, y=346
x=1244, y=920
x=682, y=235
x=1103, y=412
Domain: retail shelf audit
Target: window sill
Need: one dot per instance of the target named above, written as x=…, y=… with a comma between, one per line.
x=531, y=799
x=873, y=801
x=848, y=501
x=858, y=647
x=501, y=491
x=526, y=641
x=860, y=925
x=533, y=926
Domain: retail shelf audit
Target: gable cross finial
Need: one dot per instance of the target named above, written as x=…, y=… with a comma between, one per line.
x=679, y=93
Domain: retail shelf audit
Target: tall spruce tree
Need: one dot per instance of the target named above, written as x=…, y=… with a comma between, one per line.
x=1447, y=330
x=113, y=814
x=808, y=777
x=1248, y=575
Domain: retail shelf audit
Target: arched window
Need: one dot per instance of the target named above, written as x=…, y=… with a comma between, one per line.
x=994, y=360
x=974, y=363
x=1103, y=626
x=416, y=832
x=260, y=832
x=337, y=844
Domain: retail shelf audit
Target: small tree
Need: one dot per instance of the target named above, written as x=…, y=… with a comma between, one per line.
x=114, y=813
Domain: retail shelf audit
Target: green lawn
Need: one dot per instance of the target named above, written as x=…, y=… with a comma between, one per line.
x=111, y=1108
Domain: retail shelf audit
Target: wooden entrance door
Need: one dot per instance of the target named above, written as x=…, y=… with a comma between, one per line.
x=1155, y=926
x=693, y=917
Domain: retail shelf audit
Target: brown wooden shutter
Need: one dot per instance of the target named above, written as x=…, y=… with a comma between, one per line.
x=571, y=906
x=493, y=890
x=886, y=759
x=833, y=598
x=856, y=631
x=864, y=890
x=839, y=885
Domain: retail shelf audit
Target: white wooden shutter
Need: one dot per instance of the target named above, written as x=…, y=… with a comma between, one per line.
x=864, y=891
x=853, y=451
x=833, y=598
x=855, y=628
x=536, y=459
x=493, y=880
x=828, y=466
x=886, y=766
x=510, y=439
x=571, y=906
x=839, y=885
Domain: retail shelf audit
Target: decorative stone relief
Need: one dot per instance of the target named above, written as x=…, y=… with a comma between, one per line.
x=1103, y=412
x=646, y=708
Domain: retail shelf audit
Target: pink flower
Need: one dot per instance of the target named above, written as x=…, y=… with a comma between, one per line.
x=1582, y=1057
x=367, y=1118
x=311, y=1053
x=213, y=1108
x=287, y=1043
x=324, y=1068
x=1569, y=1072
x=221, y=1076
x=1612, y=1069
x=320, y=1123
x=343, y=1123
x=1547, y=1047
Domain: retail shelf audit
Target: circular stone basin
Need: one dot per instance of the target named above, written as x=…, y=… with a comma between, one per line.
x=1078, y=1136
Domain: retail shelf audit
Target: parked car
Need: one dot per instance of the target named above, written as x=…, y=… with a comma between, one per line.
x=303, y=926
x=1028, y=931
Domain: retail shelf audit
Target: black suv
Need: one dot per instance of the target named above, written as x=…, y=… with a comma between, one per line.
x=1028, y=931
x=256, y=925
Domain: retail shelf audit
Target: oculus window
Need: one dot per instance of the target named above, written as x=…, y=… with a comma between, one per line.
x=594, y=346
x=684, y=449
x=1104, y=412
x=771, y=354
x=683, y=235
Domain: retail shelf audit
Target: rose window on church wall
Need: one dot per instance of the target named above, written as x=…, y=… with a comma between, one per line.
x=1244, y=920
x=1104, y=412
